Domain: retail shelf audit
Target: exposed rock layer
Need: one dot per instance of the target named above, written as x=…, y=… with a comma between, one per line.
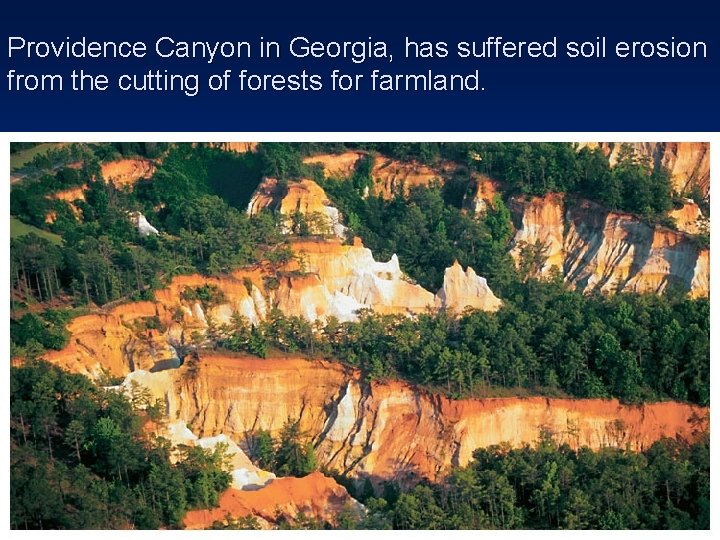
x=302, y=196
x=237, y=147
x=384, y=430
x=395, y=430
x=126, y=172
x=390, y=176
x=688, y=218
x=688, y=163
x=315, y=496
x=328, y=279
x=608, y=251
x=463, y=289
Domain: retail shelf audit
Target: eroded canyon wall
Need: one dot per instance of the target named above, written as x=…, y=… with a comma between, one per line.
x=389, y=176
x=595, y=249
x=326, y=279
x=394, y=429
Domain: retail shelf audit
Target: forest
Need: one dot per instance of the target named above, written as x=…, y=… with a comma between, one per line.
x=548, y=341
x=80, y=458
x=632, y=185
x=551, y=486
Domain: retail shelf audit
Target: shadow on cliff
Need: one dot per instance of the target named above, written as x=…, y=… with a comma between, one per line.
x=364, y=486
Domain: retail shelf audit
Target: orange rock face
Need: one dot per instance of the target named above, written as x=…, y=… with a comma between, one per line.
x=484, y=192
x=237, y=147
x=390, y=176
x=104, y=342
x=384, y=430
x=336, y=165
x=689, y=218
x=395, y=430
x=328, y=279
x=689, y=165
x=303, y=196
x=125, y=172
x=543, y=222
x=608, y=251
x=96, y=344
x=69, y=196
x=316, y=496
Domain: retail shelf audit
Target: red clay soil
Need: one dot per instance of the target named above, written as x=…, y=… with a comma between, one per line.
x=314, y=495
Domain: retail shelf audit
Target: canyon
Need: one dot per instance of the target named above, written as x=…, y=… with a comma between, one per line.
x=380, y=430
x=592, y=247
x=384, y=430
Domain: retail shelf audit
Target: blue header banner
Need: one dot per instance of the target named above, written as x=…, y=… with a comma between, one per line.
x=359, y=67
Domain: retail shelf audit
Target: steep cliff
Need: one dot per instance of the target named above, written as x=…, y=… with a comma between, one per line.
x=689, y=218
x=482, y=194
x=688, y=162
x=100, y=343
x=395, y=430
x=341, y=279
x=352, y=276
x=383, y=430
x=608, y=251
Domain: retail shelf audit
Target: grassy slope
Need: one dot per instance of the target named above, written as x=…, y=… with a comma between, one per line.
x=19, y=159
x=18, y=228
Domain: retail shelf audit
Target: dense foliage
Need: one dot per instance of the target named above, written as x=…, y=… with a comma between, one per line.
x=35, y=332
x=103, y=258
x=428, y=234
x=551, y=486
x=79, y=458
x=546, y=338
x=291, y=455
x=633, y=184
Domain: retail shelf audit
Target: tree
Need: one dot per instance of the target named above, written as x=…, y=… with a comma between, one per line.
x=264, y=450
x=206, y=474
x=294, y=457
x=75, y=436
